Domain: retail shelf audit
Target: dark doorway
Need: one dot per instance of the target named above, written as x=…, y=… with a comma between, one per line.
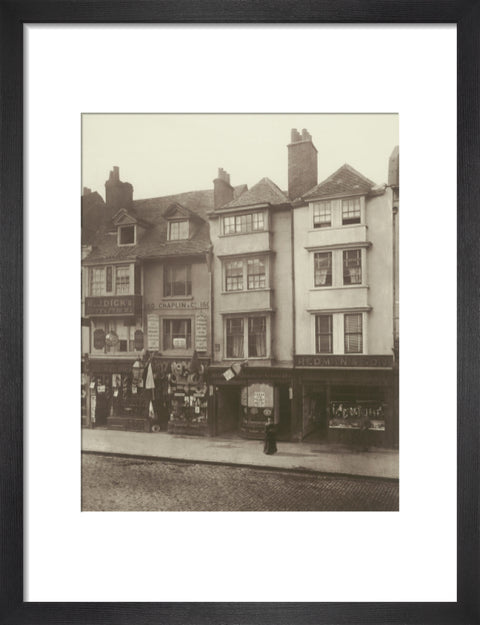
x=227, y=410
x=284, y=412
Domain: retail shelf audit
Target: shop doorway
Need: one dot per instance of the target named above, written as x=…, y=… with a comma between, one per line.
x=315, y=414
x=227, y=410
x=284, y=412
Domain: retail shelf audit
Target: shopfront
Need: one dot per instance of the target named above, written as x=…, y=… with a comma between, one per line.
x=241, y=405
x=337, y=398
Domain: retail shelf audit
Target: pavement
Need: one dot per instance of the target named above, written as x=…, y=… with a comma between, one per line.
x=304, y=456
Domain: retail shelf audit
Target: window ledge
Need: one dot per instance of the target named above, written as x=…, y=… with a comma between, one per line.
x=241, y=234
x=340, y=287
x=266, y=290
x=169, y=298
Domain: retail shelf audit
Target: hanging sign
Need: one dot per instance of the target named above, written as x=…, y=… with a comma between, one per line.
x=153, y=332
x=111, y=338
x=99, y=339
x=138, y=338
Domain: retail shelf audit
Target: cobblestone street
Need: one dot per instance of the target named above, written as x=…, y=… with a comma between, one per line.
x=116, y=483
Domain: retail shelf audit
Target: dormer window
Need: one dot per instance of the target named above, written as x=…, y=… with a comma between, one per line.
x=178, y=230
x=126, y=235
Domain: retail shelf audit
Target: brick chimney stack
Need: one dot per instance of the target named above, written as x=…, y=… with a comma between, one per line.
x=302, y=164
x=118, y=194
x=222, y=190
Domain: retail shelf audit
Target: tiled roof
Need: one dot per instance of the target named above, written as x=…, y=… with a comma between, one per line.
x=153, y=241
x=264, y=192
x=345, y=181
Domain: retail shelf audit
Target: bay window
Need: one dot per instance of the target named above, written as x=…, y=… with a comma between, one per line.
x=246, y=337
x=242, y=224
x=249, y=273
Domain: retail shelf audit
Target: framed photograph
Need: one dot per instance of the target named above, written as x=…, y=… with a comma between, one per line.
x=178, y=90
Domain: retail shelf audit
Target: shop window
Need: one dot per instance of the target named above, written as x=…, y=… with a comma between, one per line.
x=126, y=235
x=323, y=334
x=235, y=338
x=257, y=337
x=351, y=211
x=322, y=215
x=234, y=275
x=249, y=332
x=353, y=334
x=177, y=280
x=323, y=268
x=177, y=333
x=122, y=281
x=123, y=346
x=242, y=224
x=178, y=230
x=352, y=267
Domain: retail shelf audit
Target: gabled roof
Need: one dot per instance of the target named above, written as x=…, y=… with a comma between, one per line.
x=345, y=181
x=264, y=192
x=153, y=242
x=177, y=211
x=126, y=218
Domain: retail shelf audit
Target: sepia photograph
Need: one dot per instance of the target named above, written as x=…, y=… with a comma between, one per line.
x=240, y=312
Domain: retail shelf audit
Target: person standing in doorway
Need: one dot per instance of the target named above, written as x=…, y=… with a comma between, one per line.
x=270, y=441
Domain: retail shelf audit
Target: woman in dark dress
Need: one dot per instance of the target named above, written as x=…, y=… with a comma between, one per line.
x=270, y=444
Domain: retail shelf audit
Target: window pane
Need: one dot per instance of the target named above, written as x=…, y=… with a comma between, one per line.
x=323, y=269
x=122, y=281
x=353, y=334
x=235, y=338
x=257, y=337
x=97, y=281
x=351, y=211
x=177, y=280
x=234, y=275
x=322, y=215
x=127, y=235
x=256, y=273
x=324, y=334
x=352, y=267
x=228, y=225
x=177, y=329
x=178, y=230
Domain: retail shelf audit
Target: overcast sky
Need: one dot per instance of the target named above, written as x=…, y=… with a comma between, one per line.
x=163, y=154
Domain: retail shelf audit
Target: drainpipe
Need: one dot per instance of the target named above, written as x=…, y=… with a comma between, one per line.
x=294, y=344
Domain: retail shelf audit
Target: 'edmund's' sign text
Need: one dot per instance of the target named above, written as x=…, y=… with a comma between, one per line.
x=348, y=360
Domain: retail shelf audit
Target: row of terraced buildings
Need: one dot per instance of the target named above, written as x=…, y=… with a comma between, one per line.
x=207, y=312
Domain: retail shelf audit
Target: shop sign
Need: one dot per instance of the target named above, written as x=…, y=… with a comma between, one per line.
x=153, y=332
x=259, y=399
x=138, y=340
x=99, y=339
x=201, y=333
x=178, y=305
x=347, y=360
x=180, y=343
x=126, y=305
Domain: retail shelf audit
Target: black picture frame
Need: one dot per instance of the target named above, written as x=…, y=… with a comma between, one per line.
x=13, y=14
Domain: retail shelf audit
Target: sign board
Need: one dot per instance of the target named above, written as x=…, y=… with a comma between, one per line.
x=228, y=374
x=259, y=399
x=347, y=360
x=201, y=333
x=138, y=340
x=153, y=332
x=125, y=305
x=179, y=343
